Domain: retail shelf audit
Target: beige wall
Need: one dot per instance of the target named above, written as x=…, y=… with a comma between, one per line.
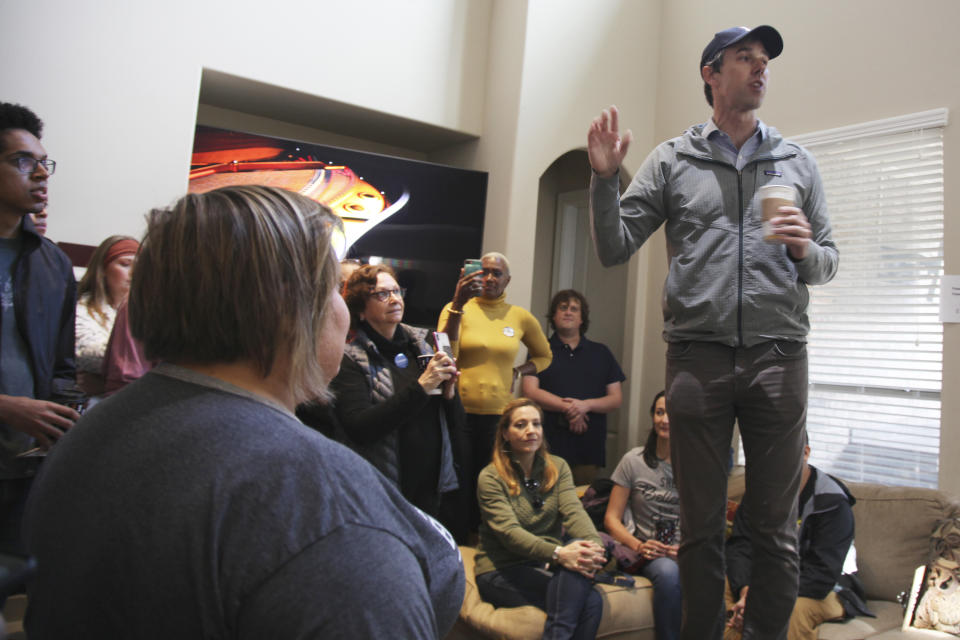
x=117, y=82
x=118, y=85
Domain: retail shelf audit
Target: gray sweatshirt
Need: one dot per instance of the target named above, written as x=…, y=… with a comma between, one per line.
x=725, y=283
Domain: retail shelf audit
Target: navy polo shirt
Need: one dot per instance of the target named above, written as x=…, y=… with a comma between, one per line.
x=583, y=372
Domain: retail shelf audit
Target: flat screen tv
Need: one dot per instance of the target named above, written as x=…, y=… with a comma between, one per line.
x=422, y=219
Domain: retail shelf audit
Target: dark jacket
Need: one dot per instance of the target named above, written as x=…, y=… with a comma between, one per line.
x=371, y=408
x=45, y=301
x=826, y=531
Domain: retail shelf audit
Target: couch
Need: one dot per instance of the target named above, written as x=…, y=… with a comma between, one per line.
x=893, y=527
x=892, y=539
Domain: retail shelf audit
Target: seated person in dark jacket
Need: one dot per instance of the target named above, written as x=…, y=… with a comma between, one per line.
x=823, y=539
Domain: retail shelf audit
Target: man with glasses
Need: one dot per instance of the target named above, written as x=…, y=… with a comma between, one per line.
x=734, y=307
x=39, y=296
x=577, y=391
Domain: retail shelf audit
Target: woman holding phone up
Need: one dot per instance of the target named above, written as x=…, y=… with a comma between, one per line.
x=485, y=334
x=395, y=398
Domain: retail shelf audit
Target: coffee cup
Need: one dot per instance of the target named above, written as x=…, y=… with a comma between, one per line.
x=772, y=197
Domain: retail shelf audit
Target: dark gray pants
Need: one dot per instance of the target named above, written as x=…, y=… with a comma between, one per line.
x=763, y=388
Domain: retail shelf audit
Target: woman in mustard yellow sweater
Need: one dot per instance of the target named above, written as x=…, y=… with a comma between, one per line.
x=485, y=333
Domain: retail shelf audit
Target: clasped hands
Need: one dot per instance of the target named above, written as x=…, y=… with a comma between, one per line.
x=582, y=556
x=575, y=411
x=735, y=613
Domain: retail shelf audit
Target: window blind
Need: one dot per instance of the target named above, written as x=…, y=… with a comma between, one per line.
x=876, y=342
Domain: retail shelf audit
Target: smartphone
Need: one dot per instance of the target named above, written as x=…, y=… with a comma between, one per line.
x=471, y=265
x=617, y=580
x=442, y=340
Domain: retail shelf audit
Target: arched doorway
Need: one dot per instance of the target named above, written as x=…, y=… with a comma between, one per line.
x=564, y=258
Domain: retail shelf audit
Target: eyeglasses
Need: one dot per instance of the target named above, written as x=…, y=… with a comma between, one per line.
x=533, y=486
x=28, y=164
x=384, y=295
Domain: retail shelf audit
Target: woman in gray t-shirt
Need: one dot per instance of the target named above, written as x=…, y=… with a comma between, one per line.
x=651, y=527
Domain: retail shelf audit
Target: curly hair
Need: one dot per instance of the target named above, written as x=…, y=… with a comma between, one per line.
x=16, y=116
x=359, y=287
x=566, y=295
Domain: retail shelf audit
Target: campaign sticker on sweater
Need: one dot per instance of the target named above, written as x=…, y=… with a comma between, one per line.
x=508, y=331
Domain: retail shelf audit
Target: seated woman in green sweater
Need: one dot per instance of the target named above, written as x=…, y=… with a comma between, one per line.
x=526, y=498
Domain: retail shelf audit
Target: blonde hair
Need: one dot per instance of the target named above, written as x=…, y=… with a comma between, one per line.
x=501, y=451
x=242, y=273
x=92, y=288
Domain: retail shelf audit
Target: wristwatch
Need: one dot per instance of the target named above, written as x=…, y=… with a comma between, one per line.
x=556, y=554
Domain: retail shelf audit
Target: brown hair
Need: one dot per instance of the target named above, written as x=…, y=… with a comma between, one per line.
x=359, y=287
x=501, y=450
x=93, y=284
x=566, y=295
x=242, y=273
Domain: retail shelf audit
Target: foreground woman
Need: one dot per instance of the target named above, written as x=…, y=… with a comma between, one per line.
x=193, y=504
x=527, y=498
x=399, y=417
x=644, y=481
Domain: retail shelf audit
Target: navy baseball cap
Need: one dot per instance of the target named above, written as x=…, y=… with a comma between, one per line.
x=766, y=34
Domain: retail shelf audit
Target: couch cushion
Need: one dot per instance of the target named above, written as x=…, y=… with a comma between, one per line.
x=893, y=527
x=912, y=634
x=889, y=616
x=627, y=612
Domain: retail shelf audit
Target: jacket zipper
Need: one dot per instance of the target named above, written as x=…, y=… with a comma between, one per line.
x=754, y=160
x=740, y=262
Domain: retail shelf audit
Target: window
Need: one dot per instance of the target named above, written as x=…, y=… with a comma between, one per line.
x=876, y=341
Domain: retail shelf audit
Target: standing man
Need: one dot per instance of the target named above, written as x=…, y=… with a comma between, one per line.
x=577, y=391
x=734, y=307
x=39, y=298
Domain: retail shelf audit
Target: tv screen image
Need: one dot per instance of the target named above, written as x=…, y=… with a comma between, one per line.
x=422, y=219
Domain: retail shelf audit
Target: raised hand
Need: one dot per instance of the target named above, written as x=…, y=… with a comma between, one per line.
x=467, y=287
x=606, y=148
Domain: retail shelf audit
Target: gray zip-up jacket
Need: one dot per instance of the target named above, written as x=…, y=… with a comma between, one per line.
x=725, y=282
